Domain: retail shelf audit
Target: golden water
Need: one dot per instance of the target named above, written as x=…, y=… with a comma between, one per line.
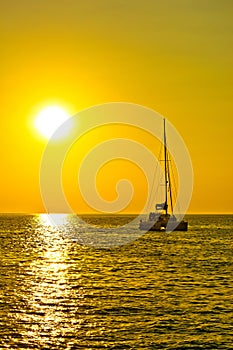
x=163, y=291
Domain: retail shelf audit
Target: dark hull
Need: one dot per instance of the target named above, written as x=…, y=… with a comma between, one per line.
x=161, y=226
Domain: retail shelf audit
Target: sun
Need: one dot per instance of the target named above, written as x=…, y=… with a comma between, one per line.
x=49, y=119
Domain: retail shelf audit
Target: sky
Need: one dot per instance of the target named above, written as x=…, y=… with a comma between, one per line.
x=174, y=57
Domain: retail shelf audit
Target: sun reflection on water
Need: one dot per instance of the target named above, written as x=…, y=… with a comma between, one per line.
x=53, y=219
x=51, y=294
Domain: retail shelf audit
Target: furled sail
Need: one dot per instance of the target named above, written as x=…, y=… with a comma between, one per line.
x=161, y=206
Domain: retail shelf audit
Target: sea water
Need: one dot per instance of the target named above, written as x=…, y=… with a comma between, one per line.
x=161, y=291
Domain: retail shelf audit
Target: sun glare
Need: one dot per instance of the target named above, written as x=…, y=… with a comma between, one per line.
x=49, y=119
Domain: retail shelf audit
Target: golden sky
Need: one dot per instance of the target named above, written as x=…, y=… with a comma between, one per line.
x=172, y=56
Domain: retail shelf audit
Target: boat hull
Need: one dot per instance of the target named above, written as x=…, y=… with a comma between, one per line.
x=162, y=226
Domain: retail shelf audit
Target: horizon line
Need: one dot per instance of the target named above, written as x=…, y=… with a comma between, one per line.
x=93, y=213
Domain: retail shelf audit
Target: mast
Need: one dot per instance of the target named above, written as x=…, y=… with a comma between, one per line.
x=165, y=163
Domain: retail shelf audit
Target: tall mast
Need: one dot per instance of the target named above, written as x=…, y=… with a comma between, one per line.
x=165, y=163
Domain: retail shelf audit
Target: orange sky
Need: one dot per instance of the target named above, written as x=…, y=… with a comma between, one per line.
x=172, y=56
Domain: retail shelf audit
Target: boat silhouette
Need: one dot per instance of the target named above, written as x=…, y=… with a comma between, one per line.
x=161, y=219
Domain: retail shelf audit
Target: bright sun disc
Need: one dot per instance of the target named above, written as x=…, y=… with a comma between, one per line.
x=49, y=120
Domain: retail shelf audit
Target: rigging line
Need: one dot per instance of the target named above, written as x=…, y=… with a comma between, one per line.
x=169, y=183
x=175, y=189
x=165, y=161
x=149, y=203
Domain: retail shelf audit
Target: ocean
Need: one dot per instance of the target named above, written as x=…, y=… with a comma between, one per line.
x=158, y=291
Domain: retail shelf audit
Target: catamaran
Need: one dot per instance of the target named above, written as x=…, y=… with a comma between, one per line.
x=161, y=219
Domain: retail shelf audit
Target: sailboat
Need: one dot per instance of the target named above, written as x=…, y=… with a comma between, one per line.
x=161, y=219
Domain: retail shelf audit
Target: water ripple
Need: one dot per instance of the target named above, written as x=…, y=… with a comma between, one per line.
x=164, y=291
